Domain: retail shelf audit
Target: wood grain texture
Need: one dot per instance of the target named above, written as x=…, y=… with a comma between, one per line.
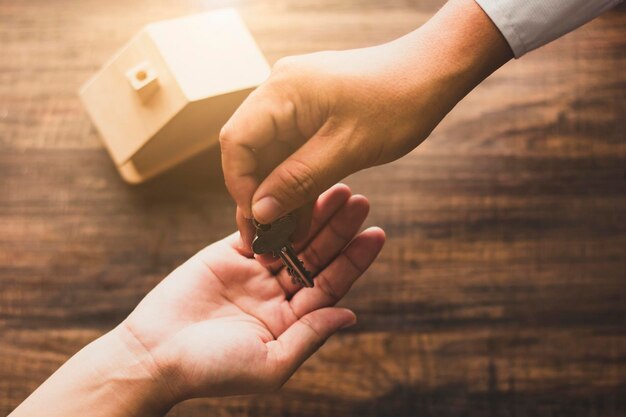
x=501, y=290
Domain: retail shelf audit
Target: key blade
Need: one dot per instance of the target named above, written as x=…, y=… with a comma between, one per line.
x=295, y=266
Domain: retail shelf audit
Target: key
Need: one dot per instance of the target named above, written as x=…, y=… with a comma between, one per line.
x=274, y=238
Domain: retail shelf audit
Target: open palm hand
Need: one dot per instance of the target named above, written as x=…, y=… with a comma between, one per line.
x=224, y=323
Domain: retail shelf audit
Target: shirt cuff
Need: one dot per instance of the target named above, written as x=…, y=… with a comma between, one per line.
x=529, y=24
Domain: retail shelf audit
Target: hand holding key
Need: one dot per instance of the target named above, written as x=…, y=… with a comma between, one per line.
x=220, y=324
x=323, y=116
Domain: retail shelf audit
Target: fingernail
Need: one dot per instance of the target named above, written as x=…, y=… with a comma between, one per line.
x=266, y=209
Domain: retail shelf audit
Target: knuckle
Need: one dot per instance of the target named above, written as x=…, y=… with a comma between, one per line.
x=226, y=135
x=307, y=322
x=288, y=109
x=314, y=257
x=327, y=288
x=286, y=71
x=299, y=181
x=284, y=64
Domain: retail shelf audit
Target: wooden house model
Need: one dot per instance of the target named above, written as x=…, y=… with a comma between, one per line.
x=165, y=95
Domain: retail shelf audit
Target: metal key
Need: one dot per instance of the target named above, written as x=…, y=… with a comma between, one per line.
x=274, y=238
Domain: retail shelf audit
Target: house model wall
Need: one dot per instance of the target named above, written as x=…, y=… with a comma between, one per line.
x=165, y=96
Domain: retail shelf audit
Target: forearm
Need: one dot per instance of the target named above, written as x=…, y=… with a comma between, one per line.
x=463, y=45
x=112, y=376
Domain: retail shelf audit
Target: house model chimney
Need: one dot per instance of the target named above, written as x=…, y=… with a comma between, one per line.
x=165, y=96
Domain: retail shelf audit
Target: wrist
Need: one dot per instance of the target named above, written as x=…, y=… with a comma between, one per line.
x=128, y=370
x=450, y=55
x=109, y=377
x=123, y=374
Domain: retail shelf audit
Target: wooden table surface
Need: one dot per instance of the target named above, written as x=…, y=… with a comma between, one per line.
x=501, y=290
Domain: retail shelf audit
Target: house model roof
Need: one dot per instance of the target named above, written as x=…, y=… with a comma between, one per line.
x=166, y=67
x=209, y=53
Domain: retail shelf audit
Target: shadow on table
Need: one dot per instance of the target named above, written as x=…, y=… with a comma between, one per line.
x=203, y=171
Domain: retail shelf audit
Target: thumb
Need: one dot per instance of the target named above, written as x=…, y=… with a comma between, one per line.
x=306, y=336
x=300, y=179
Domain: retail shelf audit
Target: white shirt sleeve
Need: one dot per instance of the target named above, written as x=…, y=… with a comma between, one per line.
x=529, y=24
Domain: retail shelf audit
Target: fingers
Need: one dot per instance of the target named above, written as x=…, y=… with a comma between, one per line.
x=246, y=229
x=303, y=222
x=331, y=239
x=251, y=126
x=335, y=280
x=305, y=174
x=303, y=338
x=336, y=234
x=324, y=209
x=249, y=139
